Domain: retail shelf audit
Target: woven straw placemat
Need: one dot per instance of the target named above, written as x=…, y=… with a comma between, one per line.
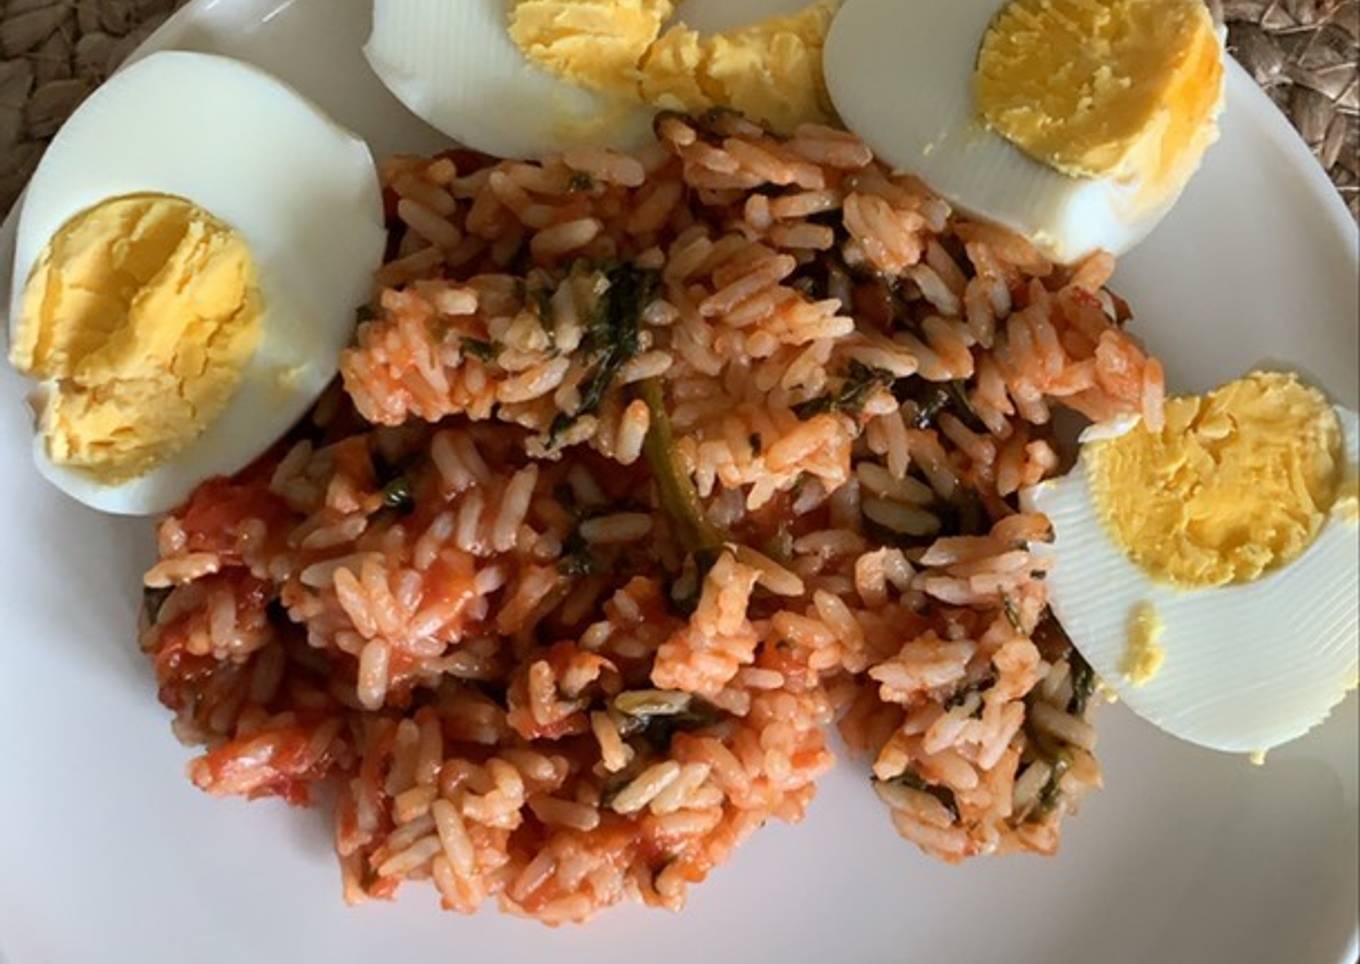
x=54, y=52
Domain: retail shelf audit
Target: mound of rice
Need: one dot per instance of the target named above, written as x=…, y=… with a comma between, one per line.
x=645, y=471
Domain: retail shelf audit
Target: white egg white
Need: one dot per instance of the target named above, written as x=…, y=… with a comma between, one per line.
x=454, y=65
x=303, y=193
x=1248, y=666
x=901, y=77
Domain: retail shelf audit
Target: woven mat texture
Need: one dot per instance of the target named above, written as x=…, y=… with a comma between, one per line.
x=54, y=52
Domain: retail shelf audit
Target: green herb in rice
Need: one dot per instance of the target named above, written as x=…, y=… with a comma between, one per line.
x=1051, y=794
x=657, y=715
x=963, y=694
x=612, y=337
x=481, y=349
x=1083, y=684
x=577, y=557
x=963, y=406
x=859, y=383
x=910, y=778
x=929, y=398
x=675, y=489
x=640, y=704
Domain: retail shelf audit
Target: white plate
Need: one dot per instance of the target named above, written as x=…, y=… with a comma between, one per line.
x=108, y=854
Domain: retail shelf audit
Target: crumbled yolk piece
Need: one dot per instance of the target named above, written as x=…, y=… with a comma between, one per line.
x=140, y=315
x=1238, y=481
x=596, y=43
x=673, y=71
x=1143, y=655
x=1095, y=88
x=770, y=71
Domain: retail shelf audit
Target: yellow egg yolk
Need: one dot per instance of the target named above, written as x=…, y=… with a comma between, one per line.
x=770, y=71
x=1128, y=89
x=1143, y=654
x=140, y=317
x=596, y=43
x=1238, y=482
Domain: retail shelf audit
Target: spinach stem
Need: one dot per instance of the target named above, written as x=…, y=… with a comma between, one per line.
x=679, y=499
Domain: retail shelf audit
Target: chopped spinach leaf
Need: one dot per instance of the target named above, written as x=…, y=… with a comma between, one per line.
x=577, y=559
x=1083, y=683
x=478, y=348
x=1051, y=793
x=659, y=728
x=964, y=692
x=612, y=336
x=640, y=704
x=1012, y=612
x=859, y=384
x=963, y=406
x=675, y=489
x=910, y=778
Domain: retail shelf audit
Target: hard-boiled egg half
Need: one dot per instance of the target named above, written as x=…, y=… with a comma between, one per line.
x=455, y=66
x=1210, y=572
x=526, y=78
x=1076, y=124
x=190, y=255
